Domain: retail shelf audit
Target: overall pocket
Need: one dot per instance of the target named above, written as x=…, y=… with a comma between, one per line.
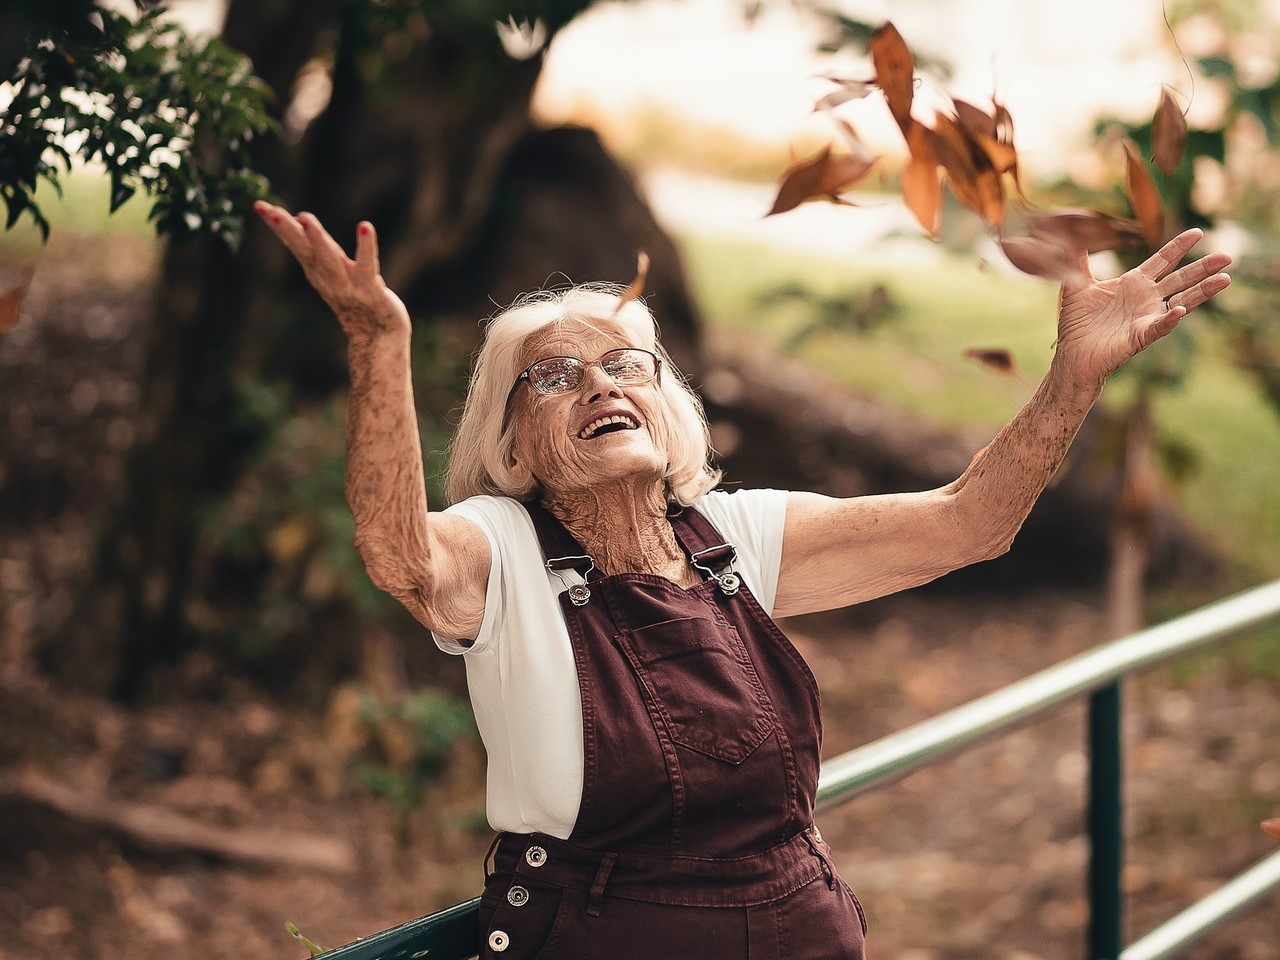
x=700, y=680
x=519, y=918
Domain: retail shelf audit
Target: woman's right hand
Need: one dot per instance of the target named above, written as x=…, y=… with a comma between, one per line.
x=354, y=289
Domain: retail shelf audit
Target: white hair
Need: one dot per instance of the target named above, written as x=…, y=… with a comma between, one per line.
x=480, y=457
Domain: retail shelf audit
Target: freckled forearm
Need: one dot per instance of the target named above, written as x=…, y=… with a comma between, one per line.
x=997, y=491
x=385, y=487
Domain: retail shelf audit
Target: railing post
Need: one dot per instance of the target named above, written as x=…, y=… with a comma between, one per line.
x=1106, y=826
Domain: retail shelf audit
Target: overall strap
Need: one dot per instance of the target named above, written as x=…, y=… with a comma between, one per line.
x=559, y=548
x=708, y=551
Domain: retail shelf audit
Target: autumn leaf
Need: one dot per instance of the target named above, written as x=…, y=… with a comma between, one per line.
x=636, y=287
x=995, y=359
x=1085, y=230
x=921, y=185
x=11, y=304
x=823, y=176
x=845, y=91
x=1168, y=134
x=1004, y=139
x=895, y=72
x=973, y=179
x=1272, y=827
x=1041, y=257
x=1144, y=198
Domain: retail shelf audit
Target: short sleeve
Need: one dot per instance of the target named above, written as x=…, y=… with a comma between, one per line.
x=754, y=522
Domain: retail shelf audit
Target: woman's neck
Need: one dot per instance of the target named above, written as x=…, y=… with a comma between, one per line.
x=624, y=529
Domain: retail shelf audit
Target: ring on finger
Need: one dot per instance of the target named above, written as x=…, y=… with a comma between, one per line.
x=1167, y=305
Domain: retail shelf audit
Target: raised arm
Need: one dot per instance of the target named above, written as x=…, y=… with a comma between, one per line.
x=437, y=565
x=841, y=551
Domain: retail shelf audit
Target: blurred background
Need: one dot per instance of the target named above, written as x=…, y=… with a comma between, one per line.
x=212, y=724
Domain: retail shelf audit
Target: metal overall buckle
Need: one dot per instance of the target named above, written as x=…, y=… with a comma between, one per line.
x=726, y=580
x=579, y=593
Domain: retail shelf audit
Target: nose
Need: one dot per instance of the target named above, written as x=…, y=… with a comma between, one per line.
x=598, y=385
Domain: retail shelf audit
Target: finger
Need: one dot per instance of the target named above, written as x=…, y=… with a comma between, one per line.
x=1167, y=258
x=1192, y=297
x=367, y=262
x=1192, y=274
x=1079, y=274
x=286, y=227
x=329, y=253
x=1162, y=326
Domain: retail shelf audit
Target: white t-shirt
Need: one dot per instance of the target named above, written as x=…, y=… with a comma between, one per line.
x=520, y=670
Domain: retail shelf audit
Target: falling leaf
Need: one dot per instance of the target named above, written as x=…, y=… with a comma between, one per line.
x=973, y=179
x=999, y=146
x=1143, y=195
x=993, y=358
x=1040, y=258
x=822, y=177
x=974, y=119
x=1168, y=134
x=895, y=72
x=1086, y=230
x=845, y=91
x=1272, y=827
x=921, y=186
x=11, y=304
x=636, y=287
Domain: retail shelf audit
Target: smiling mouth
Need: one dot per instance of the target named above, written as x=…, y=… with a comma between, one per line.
x=605, y=425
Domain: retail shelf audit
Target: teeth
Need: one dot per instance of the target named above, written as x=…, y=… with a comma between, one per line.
x=590, y=429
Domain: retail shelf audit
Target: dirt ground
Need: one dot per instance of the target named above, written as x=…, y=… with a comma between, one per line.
x=107, y=849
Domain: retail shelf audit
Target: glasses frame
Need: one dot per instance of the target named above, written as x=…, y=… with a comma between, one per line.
x=597, y=362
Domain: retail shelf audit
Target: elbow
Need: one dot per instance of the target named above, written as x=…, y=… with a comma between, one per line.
x=387, y=572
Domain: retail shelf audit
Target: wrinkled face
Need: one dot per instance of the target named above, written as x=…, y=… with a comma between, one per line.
x=598, y=433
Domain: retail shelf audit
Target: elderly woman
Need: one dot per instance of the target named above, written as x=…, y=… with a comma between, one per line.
x=652, y=736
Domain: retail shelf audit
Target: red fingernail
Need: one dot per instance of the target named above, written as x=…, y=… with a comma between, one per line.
x=364, y=229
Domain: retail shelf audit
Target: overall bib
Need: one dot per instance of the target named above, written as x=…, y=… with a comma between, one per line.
x=701, y=733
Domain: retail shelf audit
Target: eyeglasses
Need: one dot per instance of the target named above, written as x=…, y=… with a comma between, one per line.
x=553, y=376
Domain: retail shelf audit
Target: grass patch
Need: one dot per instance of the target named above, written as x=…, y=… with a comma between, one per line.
x=915, y=360
x=82, y=209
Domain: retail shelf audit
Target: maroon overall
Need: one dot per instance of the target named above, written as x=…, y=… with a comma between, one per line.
x=701, y=730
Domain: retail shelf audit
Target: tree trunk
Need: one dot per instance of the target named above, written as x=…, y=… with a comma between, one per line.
x=433, y=143
x=1134, y=524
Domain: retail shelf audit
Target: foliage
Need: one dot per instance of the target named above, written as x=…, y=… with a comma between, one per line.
x=424, y=726
x=164, y=113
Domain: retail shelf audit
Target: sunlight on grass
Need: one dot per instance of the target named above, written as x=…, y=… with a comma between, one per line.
x=914, y=360
x=83, y=210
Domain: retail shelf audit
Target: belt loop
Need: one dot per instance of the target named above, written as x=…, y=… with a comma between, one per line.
x=489, y=856
x=595, y=898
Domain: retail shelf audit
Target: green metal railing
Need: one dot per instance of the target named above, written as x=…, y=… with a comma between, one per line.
x=453, y=935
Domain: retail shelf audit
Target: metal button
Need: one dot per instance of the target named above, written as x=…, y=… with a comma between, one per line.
x=535, y=856
x=499, y=941
x=817, y=834
x=579, y=594
x=517, y=896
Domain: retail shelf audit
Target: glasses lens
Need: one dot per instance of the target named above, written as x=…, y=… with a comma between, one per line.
x=628, y=366
x=555, y=375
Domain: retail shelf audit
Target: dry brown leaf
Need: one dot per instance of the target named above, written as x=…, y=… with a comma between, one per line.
x=11, y=305
x=1272, y=827
x=636, y=287
x=974, y=119
x=895, y=72
x=1040, y=258
x=1004, y=137
x=1143, y=195
x=996, y=359
x=921, y=185
x=845, y=91
x=1168, y=134
x=1086, y=230
x=823, y=176
x=973, y=179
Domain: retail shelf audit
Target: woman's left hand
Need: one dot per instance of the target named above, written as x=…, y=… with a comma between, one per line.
x=1104, y=323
